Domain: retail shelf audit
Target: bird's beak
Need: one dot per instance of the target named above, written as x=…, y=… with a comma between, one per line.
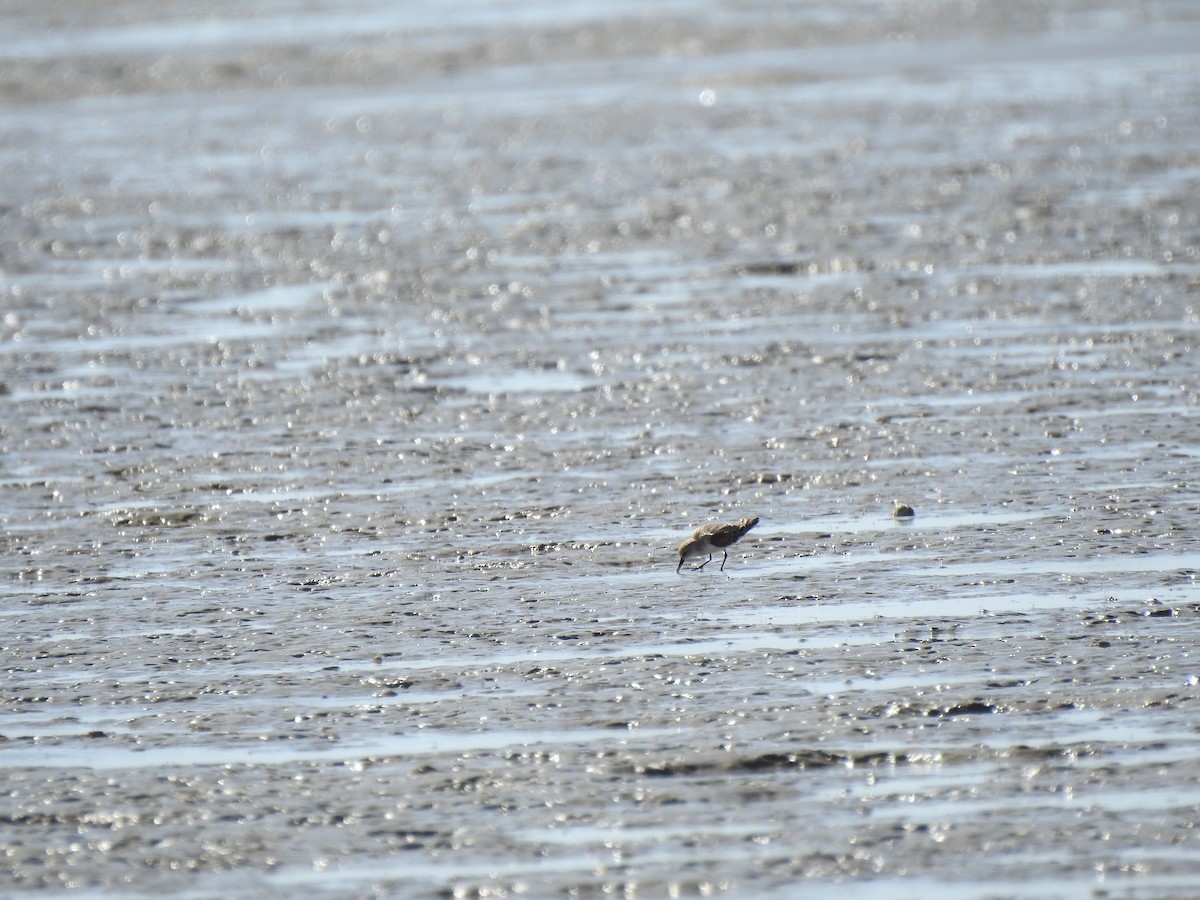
x=680, y=566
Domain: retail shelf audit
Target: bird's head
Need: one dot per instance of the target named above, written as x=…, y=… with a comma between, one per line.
x=686, y=549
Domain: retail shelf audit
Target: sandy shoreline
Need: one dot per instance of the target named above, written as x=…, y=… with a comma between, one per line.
x=363, y=375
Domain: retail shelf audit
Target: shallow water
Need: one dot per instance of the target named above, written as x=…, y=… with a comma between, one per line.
x=363, y=369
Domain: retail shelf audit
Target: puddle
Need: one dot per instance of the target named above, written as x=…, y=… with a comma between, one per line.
x=424, y=743
x=529, y=382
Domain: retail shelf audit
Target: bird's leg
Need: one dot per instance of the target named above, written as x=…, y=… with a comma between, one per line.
x=724, y=560
x=705, y=563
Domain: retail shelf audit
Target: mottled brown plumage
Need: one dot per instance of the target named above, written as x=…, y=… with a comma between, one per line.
x=711, y=538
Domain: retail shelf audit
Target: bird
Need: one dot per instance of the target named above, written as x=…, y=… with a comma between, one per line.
x=711, y=538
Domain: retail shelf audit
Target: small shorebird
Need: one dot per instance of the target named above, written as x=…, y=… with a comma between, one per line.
x=711, y=538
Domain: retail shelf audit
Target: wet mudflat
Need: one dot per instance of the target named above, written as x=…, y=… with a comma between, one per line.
x=363, y=368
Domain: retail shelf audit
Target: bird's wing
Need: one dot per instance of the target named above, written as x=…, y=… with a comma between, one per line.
x=724, y=535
